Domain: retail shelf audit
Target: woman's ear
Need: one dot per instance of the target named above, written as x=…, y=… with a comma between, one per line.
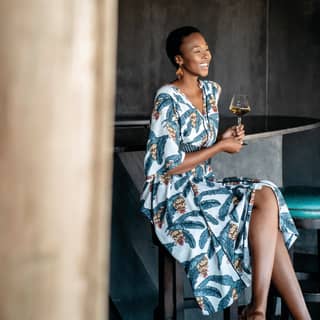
x=179, y=60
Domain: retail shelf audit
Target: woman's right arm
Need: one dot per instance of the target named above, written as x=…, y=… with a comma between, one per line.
x=192, y=159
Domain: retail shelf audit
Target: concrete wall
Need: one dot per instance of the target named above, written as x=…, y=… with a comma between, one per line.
x=295, y=58
x=236, y=34
x=294, y=83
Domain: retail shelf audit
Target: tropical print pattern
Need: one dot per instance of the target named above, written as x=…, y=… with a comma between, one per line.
x=201, y=221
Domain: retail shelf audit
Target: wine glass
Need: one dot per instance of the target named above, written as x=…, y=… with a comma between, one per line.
x=240, y=106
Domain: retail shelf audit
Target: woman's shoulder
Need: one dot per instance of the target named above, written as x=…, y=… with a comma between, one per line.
x=166, y=90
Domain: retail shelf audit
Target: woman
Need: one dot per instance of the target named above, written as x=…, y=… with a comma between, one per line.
x=229, y=234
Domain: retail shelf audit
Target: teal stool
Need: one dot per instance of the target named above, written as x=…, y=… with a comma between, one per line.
x=304, y=205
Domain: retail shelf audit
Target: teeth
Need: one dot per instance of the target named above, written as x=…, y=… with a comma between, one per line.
x=204, y=64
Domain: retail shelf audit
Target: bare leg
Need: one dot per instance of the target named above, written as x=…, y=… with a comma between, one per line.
x=285, y=280
x=270, y=259
x=263, y=233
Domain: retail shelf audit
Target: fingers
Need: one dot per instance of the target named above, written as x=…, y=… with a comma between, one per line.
x=239, y=128
x=239, y=131
x=239, y=140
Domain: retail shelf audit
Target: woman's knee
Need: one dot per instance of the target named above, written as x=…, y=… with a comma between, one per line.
x=265, y=199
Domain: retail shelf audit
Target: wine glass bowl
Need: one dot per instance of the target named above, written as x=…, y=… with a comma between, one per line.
x=239, y=106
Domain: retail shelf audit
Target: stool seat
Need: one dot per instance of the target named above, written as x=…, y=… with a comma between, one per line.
x=303, y=202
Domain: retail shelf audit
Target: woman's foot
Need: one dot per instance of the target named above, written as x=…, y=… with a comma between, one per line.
x=249, y=313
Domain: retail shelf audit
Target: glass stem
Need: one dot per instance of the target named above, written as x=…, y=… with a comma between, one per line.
x=239, y=121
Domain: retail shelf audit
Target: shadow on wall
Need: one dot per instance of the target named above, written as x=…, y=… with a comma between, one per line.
x=301, y=157
x=133, y=275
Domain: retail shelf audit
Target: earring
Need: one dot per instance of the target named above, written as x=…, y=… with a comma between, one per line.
x=179, y=73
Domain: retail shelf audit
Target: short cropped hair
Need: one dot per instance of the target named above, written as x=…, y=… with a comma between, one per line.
x=175, y=39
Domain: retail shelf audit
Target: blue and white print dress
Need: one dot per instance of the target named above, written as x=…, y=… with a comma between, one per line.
x=203, y=222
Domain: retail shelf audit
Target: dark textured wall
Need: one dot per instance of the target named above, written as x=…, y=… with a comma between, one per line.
x=294, y=87
x=295, y=58
x=235, y=31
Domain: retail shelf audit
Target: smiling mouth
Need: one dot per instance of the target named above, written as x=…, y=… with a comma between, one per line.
x=204, y=65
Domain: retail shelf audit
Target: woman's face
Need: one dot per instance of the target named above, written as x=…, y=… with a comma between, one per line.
x=195, y=55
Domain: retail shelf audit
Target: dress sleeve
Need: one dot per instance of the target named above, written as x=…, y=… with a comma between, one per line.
x=163, y=147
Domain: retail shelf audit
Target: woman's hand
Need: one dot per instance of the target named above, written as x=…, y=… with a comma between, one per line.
x=231, y=144
x=234, y=131
x=231, y=140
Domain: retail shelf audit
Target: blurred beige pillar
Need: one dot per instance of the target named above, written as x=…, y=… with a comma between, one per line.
x=57, y=75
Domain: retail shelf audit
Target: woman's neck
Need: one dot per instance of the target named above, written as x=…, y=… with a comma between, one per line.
x=187, y=83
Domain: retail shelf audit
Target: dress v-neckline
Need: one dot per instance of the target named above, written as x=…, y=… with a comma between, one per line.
x=204, y=100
